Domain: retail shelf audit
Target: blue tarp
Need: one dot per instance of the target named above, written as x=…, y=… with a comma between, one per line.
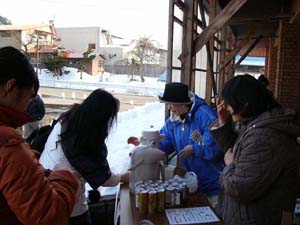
x=163, y=77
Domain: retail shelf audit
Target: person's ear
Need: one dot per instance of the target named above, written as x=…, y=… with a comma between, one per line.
x=10, y=84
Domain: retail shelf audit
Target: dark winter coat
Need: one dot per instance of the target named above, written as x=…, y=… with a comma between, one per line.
x=263, y=181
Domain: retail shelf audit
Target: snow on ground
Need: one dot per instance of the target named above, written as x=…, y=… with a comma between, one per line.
x=129, y=123
x=69, y=74
x=117, y=83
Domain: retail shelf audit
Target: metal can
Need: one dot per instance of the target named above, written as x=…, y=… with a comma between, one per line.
x=165, y=185
x=153, y=185
x=175, y=183
x=143, y=202
x=170, y=197
x=136, y=194
x=185, y=191
x=152, y=202
x=137, y=191
x=161, y=199
x=147, y=182
x=178, y=196
x=159, y=182
x=138, y=183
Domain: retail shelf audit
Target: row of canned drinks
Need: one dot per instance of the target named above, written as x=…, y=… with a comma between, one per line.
x=155, y=196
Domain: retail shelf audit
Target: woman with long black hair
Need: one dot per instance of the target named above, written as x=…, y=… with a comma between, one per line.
x=78, y=140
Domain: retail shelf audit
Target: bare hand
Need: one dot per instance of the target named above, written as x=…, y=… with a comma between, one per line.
x=186, y=152
x=61, y=166
x=125, y=177
x=228, y=157
x=223, y=114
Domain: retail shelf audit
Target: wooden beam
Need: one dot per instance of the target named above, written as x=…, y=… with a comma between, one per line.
x=176, y=20
x=229, y=72
x=277, y=38
x=235, y=51
x=251, y=47
x=201, y=25
x=246, y=20
x=170, y=49
x=170, y=42
x=179, y=4
x=195, y=26
x=221, y=76
x=187, y=42
x=216, y=24
x=210, y=79
x=295, y=16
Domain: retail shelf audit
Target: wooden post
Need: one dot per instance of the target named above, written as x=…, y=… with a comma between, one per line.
x=170, y=42
x=187, y=42
x=170, y=49
x=195, y=24
x=210, y=78
x=229, y=72
x=221, y=75
x=210, y=56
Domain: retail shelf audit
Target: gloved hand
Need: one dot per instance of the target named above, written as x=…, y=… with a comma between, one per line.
x=133, y=140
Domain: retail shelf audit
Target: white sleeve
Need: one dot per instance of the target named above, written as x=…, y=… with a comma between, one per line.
x=113, y=180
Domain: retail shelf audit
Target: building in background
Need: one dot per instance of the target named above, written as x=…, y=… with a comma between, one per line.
x=28, y=37
x=36, y=40
x=251, y=65
x=72, y=59
x=79, y=39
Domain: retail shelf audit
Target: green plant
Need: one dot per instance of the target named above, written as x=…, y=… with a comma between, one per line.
x=54, y=63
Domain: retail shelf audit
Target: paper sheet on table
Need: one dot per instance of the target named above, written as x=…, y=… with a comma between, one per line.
x=191, y=215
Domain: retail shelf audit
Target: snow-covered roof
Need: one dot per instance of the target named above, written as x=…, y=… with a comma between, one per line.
x=42, y=27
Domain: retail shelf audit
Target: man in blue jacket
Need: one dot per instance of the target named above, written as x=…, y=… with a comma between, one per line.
x=187, y=132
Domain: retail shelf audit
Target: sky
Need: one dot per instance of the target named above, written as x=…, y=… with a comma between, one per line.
x=128, y=19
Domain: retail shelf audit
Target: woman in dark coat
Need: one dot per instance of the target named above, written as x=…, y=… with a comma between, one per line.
x=261, y=177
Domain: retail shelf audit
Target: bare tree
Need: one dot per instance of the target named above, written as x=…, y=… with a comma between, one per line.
x=4, y=21
x=144, y=52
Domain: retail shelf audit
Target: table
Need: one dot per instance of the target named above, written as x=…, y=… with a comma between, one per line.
x=130, y=216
